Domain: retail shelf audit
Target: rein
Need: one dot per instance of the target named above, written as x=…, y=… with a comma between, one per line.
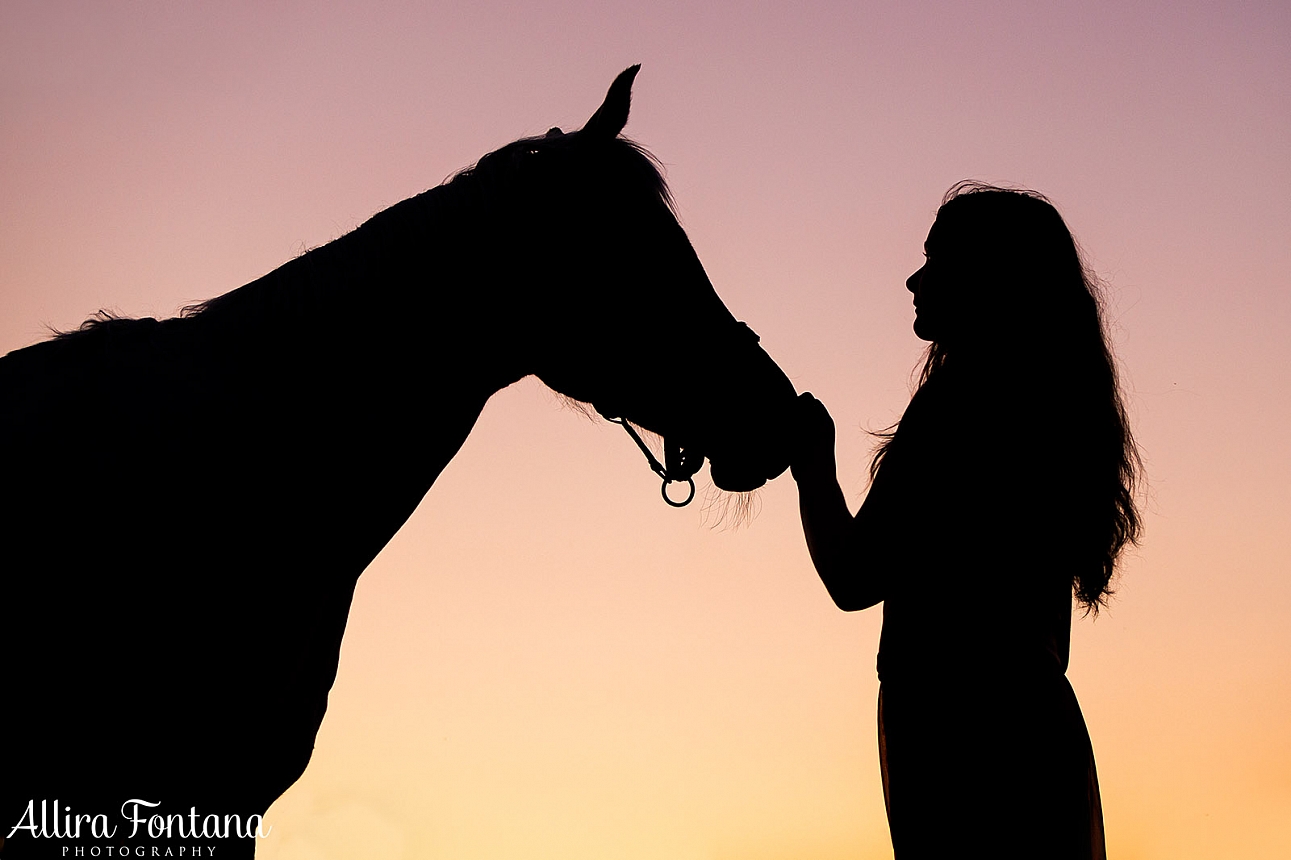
x=680, y=467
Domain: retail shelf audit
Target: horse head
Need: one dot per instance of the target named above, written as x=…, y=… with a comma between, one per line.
x=618, y=311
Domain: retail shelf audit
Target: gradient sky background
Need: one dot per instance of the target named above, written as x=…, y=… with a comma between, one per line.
x=549, y=663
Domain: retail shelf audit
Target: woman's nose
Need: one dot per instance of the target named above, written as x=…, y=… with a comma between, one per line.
x=912, y=282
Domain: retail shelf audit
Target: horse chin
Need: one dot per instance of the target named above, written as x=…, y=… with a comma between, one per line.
x=734, y=479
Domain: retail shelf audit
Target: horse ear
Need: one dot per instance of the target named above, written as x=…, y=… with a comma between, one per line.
x=612, y=115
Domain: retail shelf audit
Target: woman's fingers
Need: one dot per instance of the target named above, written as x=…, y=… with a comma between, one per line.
x=813, y=444
x=814, y=420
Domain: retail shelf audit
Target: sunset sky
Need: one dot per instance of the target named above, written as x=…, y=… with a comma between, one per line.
x=547, y=662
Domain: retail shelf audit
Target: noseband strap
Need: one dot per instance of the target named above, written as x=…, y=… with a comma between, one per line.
x=680, y=467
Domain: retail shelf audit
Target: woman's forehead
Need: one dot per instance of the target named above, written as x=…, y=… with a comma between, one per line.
x=957, y=224
x=941, y=233
x=934, y=232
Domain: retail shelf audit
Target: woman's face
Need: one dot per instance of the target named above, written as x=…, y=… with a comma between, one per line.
x=938, y=292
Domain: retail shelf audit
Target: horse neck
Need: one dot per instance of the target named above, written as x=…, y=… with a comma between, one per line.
x=403, y=298
x=373, y=354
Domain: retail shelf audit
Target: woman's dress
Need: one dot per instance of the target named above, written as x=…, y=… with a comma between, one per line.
x=983, y=747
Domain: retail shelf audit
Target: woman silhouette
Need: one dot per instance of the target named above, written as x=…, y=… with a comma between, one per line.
x=1008, y=483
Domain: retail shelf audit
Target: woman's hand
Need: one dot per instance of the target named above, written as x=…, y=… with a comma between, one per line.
x=826, y=522
x=811, y=457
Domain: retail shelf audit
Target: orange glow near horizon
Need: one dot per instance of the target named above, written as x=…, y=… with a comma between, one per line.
x=549, y=662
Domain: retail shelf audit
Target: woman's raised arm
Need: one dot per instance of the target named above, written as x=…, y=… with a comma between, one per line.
x=836, y=540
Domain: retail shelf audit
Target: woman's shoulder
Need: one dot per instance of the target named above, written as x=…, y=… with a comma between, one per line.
x=978, y=430
x=952, y=403
x=995, y=399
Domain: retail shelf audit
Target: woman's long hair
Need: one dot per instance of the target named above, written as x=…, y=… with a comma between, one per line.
x=1038, y=296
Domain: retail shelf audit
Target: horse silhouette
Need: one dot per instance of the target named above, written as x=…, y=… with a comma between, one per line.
x=187, y=503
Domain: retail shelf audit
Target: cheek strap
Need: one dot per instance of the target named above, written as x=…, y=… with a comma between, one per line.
x=682, y=464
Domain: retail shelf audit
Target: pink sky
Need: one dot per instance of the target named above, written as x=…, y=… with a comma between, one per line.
x=547, y=662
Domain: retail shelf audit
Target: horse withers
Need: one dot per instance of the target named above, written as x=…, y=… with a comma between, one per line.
x=187, y=503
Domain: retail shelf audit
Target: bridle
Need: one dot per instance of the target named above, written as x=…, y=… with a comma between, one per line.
x=681, y=464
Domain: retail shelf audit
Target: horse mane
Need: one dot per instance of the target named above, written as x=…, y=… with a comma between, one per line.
x=102, y=319
x=492, y=173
